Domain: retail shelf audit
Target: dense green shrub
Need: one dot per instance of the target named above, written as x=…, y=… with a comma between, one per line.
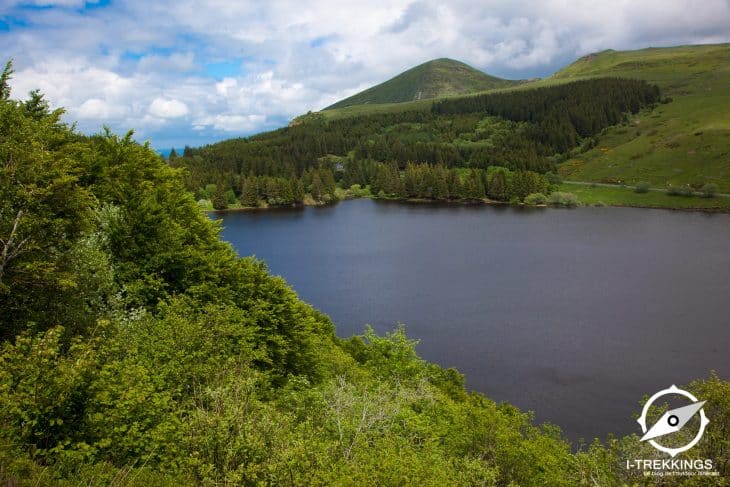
x=559, y=198
x=709, y=190
x=684, y=190
x=534, y=199
x=642, y=187
x=554, y=179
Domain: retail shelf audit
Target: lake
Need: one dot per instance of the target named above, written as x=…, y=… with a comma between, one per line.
x=574, y=314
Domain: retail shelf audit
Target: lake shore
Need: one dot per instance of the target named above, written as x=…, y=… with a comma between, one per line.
x=625, y=196
x=588, y=196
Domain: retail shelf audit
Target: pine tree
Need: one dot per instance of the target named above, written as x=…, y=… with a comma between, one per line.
x=249, y=195
x=273, y=191
x=410, y=181
x=298, y=191
x=473, y=187
x=519, y=187
x=5, y=81
x=440, y=183
x=36, y=106
x=317, y=188
x=219, y=198
x=498, y=186
x=286, y=193
x=455, y=186
x=328, y=182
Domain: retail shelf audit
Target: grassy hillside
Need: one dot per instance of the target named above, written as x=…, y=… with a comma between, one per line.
x=686, y=141
x=440, y=77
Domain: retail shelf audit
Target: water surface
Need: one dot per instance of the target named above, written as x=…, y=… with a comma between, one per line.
x=574, y=314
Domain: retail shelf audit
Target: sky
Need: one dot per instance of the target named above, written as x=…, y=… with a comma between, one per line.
x=189, y=72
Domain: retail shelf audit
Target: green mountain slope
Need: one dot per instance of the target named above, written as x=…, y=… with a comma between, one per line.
x=440, y=77
x=686, y=141
x=682, y=141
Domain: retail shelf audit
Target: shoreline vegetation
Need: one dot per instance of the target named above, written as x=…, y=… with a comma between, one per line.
x=585, y=195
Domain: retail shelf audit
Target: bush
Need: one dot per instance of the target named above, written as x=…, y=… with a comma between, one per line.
x=357, y=191
x=535, y=199
x=205, y=204
x=231, y=197
x=685, y=190
x=560, y=198
x=709, y=190
x=553, y=178
x=642, y=187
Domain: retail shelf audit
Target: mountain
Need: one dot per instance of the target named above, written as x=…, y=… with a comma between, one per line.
x=680, y=138
x=684, y=141
x=440, y=77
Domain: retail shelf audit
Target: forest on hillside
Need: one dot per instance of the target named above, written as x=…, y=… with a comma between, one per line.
x=137, y=348
x=520, y=131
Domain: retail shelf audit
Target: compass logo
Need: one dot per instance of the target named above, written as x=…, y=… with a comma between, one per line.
x=673, y=420
x=665, y=429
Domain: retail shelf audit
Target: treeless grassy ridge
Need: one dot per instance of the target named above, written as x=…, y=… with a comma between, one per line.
x=440, y=77
x=686, y=141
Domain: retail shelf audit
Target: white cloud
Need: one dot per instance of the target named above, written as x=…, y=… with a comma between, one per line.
x=182, y=62
x=97, y=109
x=230, y=123
x=140, y=64
x=168, y=108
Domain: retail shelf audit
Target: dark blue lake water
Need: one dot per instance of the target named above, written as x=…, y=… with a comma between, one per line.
x=574, y=314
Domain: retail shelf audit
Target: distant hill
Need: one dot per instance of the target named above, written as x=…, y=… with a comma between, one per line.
x=686, y=141
x=440, y=77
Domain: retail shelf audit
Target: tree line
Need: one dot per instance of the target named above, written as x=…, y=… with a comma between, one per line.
x=521, y=130
x=269, y=191
x=438, y=182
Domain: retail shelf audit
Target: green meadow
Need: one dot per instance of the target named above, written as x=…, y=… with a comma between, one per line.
x=684, y=141
x=592, y=195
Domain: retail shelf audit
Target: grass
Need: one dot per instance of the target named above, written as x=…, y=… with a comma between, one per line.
x=369, y=109
x=686, y=141
x=620, y=196
x=440, y=77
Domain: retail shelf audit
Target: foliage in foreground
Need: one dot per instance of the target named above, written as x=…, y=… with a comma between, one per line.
x=137, y=349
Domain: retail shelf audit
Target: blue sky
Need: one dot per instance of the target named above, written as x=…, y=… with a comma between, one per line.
x=194, y=72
